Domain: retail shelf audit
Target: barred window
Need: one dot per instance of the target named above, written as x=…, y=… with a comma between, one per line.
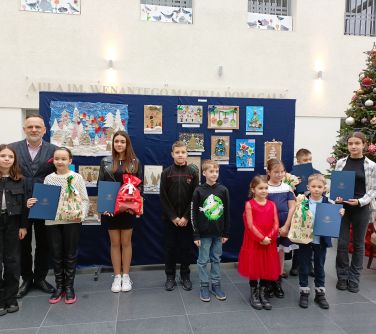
x=168, y=3
x=360, y=17
x=273, y=7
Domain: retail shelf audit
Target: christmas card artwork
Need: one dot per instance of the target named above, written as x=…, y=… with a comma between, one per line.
x=89, y=174
x=153, y=119
x=168, y=11
x=272, y=150
x=52, y=6
x=86, y=128
x=223, y=117
x=254, y=120
x=152, y=179
x=93, y=217
x=196, y=161
x=188, y=114
x=245, y=153
x=193, y=141
x=220, y=148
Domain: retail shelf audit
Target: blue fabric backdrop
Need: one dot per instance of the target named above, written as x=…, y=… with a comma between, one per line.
x=148, y=240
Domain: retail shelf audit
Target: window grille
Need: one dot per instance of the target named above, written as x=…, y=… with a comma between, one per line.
x=360, y=17
x=272, y=7
x=168, y=3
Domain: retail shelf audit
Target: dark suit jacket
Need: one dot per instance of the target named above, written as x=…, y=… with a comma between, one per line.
x=24, y=160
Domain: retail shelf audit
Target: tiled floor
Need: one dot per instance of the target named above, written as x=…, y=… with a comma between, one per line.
x=150, y=309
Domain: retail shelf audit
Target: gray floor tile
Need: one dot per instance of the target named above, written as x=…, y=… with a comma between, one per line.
x=19, y=330
x=165, y=325
x=86, y=283
x=310, y=330
x=96, y=307
x=234, y=302
x=31, y=314
x=147, y=303
x=93, y=328
x=238, y=322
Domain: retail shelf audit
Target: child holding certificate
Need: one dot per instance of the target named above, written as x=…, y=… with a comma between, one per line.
x=64, y=232
x=12, y=228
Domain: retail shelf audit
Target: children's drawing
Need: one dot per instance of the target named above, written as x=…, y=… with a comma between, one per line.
x=272, y=150
x=52, y=6
x=223, y=117
x=86, y=128
x=254, y=120
x=170, y=14
x=152, y=179
x=220, y=148
x=93, y=217
x=245, y=153
x=152, y=119
x=90, y=175
x=196, y=161
x=193, y=141
x=189, y=114
x=269, y=22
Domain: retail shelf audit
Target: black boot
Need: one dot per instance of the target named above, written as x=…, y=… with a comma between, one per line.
x=294, y=271
x=70, y=272
x=186, y=282
x=321, y=300
x=303, y=301
x=58, y=294
x=254, y=298
x=264, y=299
x=277, y=288
x=170, y=283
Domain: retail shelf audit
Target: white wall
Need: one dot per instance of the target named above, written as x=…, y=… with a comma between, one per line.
x=11, y=121
x=62, y=49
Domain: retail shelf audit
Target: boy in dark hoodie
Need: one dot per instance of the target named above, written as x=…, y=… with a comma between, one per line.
x=210, y=216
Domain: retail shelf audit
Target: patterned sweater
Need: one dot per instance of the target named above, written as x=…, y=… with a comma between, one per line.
x=78, y=182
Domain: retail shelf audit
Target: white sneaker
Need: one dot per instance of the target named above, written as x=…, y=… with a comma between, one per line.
x=126, y=283
x=116, y=284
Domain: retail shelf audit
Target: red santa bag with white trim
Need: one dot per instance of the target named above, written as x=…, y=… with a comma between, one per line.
x=129, y=197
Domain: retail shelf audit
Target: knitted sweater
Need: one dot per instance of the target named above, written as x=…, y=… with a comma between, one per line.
x=78, y=182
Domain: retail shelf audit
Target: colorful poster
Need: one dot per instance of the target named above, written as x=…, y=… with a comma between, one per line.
x=194, y=141
x=196, y=161
x=220, y=148
x=272, y=150
x=223, y=117
x=169, y=14
x=90, y=175
x=245, y=153
x=93, y=217
x=152, y=179
x=189, y=114
x=153, y=119
x=254, y=120
x=86, y=128
x=52, y=6
x=269, y=22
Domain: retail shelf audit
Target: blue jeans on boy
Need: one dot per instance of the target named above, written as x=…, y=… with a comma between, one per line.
x=305, y=258
x=210, y=250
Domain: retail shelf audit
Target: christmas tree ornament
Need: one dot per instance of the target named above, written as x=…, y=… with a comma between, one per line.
x=350, y=121
x=368, y=103
x=360, y=91
x=374, y=90
x=367, y=81
x=373, y=120
x=361, y=76
x=364, y=120
x=372, y=148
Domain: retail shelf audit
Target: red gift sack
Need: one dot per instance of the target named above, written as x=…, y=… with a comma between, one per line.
x=129, y=198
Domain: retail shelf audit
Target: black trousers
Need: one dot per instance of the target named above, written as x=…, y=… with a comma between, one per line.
x=64, y=240
x=179, y=248
x=261, y=282
x=9, y=260
x=41, y=255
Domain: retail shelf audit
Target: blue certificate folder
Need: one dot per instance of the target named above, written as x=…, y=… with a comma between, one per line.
x=342, y=184
x=303, y=171
x=48, y=199
x=107, y=192
x=327, y=220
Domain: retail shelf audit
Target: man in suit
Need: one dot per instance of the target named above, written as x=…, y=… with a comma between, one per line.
x=33, y=154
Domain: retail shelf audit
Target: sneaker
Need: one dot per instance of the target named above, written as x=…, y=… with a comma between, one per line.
x=341, y=284
x=170, y=283
x=116, y=284
x=186, y=282
x=204, y=294
x=70, y=296
x=56, y=296
x=217, y=291
x=12, y=307
x=126, y=283
x=3, y=310
x=303, y=301
x=321, y=300
x=353, y=287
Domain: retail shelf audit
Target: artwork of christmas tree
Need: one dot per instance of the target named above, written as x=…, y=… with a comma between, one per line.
x=361, y=114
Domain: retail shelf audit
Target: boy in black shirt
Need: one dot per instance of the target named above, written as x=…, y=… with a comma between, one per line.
x=178, y=182
x=211, y=224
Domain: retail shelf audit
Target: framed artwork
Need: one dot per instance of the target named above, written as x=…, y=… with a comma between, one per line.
x=245, y=153
x=188, y=114
x=254, y=120
x=220, y=148
x=93, y=217
x=90, y=175
x=223, y=117
x=153, y=119
x=52, y=6
x=152, y=179
x=86, y=128
x=193, y=141
x=272, y=150
x=194, y=160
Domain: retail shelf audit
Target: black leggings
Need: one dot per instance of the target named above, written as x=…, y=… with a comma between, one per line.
x=261, y=282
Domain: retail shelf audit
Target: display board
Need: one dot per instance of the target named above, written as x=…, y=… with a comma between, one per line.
x=152, y=139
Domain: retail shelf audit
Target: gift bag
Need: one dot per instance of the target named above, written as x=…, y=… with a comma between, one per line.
x=301, y=229
x=70, y=204
x=129, y=197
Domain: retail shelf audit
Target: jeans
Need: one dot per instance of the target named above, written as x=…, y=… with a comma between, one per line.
x=358, y=218
x=305, y=260
x=210, y=250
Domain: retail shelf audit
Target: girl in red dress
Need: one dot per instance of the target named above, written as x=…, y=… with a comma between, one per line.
x=258, y=258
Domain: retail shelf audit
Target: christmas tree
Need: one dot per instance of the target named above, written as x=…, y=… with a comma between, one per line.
x=361, y=114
